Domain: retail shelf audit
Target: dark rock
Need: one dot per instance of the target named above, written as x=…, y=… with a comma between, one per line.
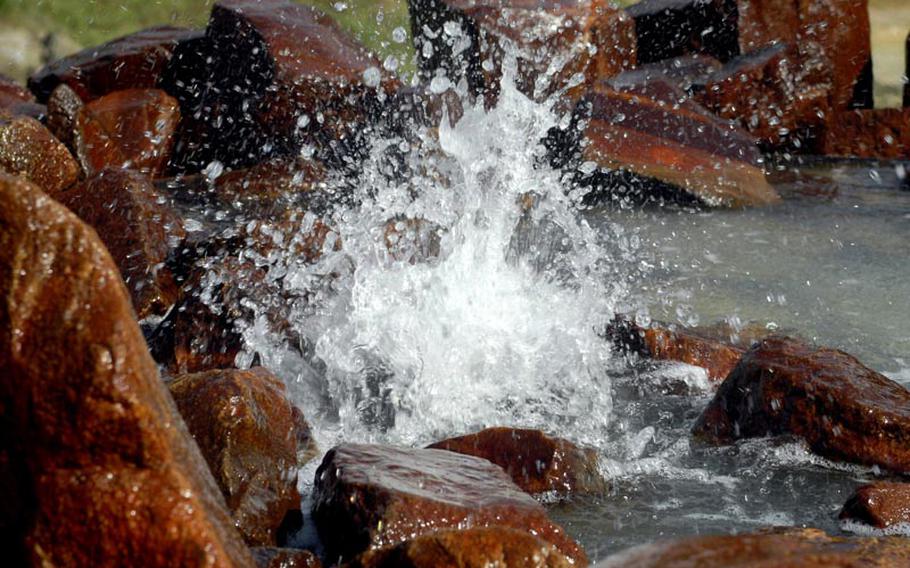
x=138, y=228
x=135, y=61
x=467, y=39
x=371, y=497
x=536, y=462
x=785, y=548
x=907, y=74
x=268, y=188
x=99, y=469
x=671, y=28
x=251, y=436
x=18, y=101
x=28, y=150
x=127, y=129
x=879, y=133
x=650, y=141
x=881, y=504
x=63, y=107
x=842, y=409
x=472, y=548
x=684, y=72
x=269, y=557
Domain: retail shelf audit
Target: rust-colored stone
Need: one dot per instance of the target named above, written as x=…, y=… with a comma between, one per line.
x=881, y=504
x=879, y=133
x=100, y=470
x=16, y=100
x=29, y=150
x=137, y=227
x=787, y=548
x=63, y=107
x=591, y=38
x=472, y=548
x=250, y=436
x=536, y=462
x=269, y=187
x=127, y=129
x=841, y=408
x=270, y=557
x=371, y=497
x=135, y=61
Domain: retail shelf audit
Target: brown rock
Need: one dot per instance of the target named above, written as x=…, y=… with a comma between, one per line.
x=907, y=74
x=89, y=433
x=269, y=557
x=879, y=133
x=18, y=101
x=671, y=28
x=28, y=150
x=371, y=497
x=842, y=409
x=472, y=548
x=251, y=436
x=135, y=61
x=138, y=228
x=269, y=187
x=468, y=39
x=650, y=141
x=536, y=462
x=127, y=129
x=63, y=107
x=761, y=23
x=787, y=548
x=412, y=240
x=880, y=504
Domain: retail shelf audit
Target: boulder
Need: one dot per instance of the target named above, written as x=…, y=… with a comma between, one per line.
x=878, y=134
x=472, y=548
x=842, y=409
x=270, y=557
x=98, y=467
x=253, y=439
x=785, y=548
x=135, y=61
x=18, y=101
x=127, y=129
x=370, y=497
x=63, y=107
x=556, y=43
x=139, y=229
x=650, y=142
x=671, y=28
x=266, y=189
x=29, y=150
x=536, y=462
x=881, y=504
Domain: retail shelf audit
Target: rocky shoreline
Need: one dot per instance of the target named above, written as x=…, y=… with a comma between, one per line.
x=135, y=434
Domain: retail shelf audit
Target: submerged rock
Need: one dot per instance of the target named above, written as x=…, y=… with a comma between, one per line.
x=135, y=61
x=270, y=557
x=371, y=497
x=472, y=548
x=98, y=467
x=880, y=133
x=253, y=439
x=558, y=44
x=139, y=229
x=536, y=462
x=29, y=150
x=783, y=548
x=842, y=409
x=127, y=129
x=881, y=504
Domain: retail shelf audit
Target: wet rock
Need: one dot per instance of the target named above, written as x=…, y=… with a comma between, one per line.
x=684, y=72
x=412, y=240
x=28, y=150
x=18, y=101
x=472, y=548
x=881, y=504
x=468, y=40
x=267, y=189
x=842, y=409
x=371, y=497
x=804, y=548
x=879, y=133
x=907, y=74
x=671, y=28
x=650, y=142
x=536, y=462
x=63, y=107
x=135, y=61
x=127, y=129
x=253, y=439
x=139, y=229
x=270, y=557
x=98, y=466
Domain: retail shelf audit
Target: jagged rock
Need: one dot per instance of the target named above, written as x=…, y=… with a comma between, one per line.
x=269, y=557
x=18, y=101
x=371, y=497
x=139, y=229
x=555, y=41
x=98, y=467
x=135, y=61
x=63, y=107
x=536, y=462
x=28, y=150
x=842, y=409
x=472, y=548
x=879, y=133
x=881, y=504
x=253, y=439
x=785, y=548
x=127, y=129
